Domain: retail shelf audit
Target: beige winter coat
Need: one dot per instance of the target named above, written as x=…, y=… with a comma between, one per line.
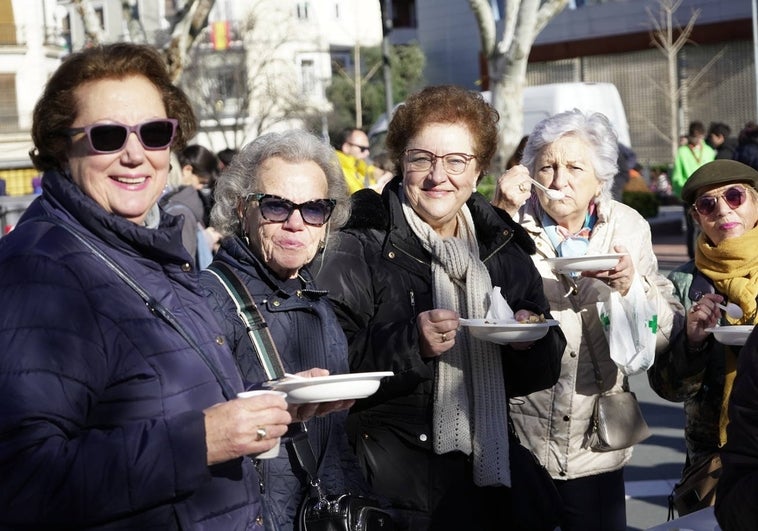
x=553, y=422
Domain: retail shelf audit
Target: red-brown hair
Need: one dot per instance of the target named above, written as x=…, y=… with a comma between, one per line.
x=57, y=108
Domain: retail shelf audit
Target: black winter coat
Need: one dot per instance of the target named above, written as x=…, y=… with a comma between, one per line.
x=101, y=422
x=379, y=279
x=307, y=335
x=737, y=488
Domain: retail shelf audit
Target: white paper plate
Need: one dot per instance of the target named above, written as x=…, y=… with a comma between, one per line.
x=507, y=332
x=600, y=262
x=731, y=334
x=329, y=388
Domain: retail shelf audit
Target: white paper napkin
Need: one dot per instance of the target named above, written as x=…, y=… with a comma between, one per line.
x=499, y=309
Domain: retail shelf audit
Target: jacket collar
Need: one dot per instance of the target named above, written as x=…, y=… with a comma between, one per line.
x=64, y=199
x=494, y=227
x=235, y=252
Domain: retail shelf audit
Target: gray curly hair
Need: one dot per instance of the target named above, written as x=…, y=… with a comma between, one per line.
x=594, y=128
x=240, y=178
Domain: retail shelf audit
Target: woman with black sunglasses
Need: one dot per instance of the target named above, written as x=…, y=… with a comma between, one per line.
x=276, y=204
x=119, y=407
x=696, y=369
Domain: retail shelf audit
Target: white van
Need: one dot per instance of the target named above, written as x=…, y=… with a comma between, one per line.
x=541, y=101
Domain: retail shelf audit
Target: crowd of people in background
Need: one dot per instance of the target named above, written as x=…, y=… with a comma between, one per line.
x=123, y=352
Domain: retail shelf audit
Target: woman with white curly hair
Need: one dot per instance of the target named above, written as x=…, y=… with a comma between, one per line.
x=572, y=155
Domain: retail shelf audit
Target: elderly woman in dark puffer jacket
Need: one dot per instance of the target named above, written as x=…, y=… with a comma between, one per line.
x=110, y=418
x=275, y=206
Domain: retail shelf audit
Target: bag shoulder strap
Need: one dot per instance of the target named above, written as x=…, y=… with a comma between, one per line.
x=259, y=335
x=153, y=304
x=255, y=325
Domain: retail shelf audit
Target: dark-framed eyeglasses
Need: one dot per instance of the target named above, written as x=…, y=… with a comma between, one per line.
x=362, y=148
x=278, y=209
x=112, y=137
x=423, y=160
x=734, y=197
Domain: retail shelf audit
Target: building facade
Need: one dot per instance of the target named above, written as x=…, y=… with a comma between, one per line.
x=258, y=65
x=609, y=41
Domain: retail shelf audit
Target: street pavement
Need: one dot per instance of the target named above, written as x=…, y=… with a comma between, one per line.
x=657, y=462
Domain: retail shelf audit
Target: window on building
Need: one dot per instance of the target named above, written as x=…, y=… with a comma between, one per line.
x=404, y=14
x=8, y=104
x=302, y=10
x=308, y=78
x=100, y=14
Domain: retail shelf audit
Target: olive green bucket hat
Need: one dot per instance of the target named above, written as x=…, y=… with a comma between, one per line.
x=718, y=172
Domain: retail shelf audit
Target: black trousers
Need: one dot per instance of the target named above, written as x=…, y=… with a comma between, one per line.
x=594, y=503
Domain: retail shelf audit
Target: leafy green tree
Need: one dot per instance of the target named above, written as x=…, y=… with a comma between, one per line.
x=407, y=65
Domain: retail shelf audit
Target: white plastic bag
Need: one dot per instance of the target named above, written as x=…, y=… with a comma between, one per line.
x=630, y=324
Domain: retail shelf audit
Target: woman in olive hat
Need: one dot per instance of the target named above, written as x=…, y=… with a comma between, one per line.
x=695, y=368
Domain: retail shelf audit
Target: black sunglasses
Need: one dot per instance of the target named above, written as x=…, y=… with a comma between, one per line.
x=362, y=148
x=278, y=209
x=734, y=197
x=112, y=137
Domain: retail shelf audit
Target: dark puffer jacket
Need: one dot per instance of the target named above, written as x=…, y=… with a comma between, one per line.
x=102, y=423
x=379, y=278
x=737, y=488
x=306, y=333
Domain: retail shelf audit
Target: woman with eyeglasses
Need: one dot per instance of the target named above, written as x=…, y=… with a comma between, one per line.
x=696, y=369
x=119, y=407
x=276, y=204
x=408, y=266
x=561, y=195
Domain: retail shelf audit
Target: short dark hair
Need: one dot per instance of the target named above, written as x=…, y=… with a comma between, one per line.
x=203, y=161
x=341, y=137
x=57, y=108
x=696, y=128
x=720, y=129
x=226, y=155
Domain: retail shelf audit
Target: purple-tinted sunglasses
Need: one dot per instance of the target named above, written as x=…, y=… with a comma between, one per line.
x=112, y=137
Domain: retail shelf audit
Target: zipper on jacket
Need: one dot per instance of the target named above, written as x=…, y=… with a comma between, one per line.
x=412, y=298
x=497, y=249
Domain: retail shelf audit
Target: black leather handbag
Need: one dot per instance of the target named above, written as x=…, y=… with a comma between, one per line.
x=341, y=512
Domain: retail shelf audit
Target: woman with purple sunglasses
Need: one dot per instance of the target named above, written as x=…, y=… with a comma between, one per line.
x=119, y=401
x=718, y=287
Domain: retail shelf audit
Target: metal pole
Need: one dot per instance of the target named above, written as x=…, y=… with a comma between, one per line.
x=755, y=51
x=386, y=68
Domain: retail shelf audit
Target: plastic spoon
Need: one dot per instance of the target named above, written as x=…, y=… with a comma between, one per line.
x=732, y=310
x=555, y=195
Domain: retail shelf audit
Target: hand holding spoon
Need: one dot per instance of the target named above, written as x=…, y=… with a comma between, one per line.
x=555, y=195
x=731, y=309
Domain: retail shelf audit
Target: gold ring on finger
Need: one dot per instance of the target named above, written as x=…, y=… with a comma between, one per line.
x=260, y=433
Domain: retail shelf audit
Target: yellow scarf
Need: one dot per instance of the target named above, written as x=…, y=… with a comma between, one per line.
x=733, y=268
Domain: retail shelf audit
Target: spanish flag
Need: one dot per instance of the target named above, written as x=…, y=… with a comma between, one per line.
x=220, y=35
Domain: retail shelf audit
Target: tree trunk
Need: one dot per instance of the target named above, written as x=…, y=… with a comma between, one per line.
x=508, y=60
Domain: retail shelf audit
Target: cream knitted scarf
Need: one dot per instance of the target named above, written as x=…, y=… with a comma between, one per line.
x=470, y=408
